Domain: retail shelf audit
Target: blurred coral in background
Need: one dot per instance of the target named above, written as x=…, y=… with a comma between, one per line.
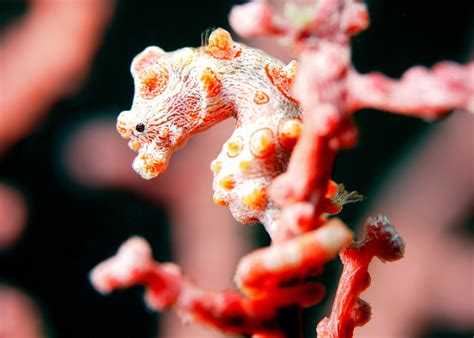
x=44, y=56
x=68, y=195
x=19, y=315
x=13, y=216
x=437, y=285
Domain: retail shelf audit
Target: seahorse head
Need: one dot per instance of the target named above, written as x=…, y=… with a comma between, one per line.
x=167, y=107
x=177, y=94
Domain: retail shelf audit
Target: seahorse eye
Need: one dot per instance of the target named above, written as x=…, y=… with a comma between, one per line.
x=140, y=127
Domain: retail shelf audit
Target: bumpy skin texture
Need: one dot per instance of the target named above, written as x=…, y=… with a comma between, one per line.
x=181, y=93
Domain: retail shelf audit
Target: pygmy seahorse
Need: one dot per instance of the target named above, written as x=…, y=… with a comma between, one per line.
x=181, y=93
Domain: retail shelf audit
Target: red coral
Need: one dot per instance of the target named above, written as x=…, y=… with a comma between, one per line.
x=420, y=92
x=166, y=287
x=330, y=91
x=349, y=310
x=272, y=278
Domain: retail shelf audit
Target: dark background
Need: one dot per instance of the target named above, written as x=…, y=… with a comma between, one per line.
x=72, y=228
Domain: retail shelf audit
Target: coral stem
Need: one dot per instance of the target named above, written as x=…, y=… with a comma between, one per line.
x=349, y=310
x=427, y=93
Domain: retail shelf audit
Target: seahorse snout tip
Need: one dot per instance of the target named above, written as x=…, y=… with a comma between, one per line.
x=149, y=166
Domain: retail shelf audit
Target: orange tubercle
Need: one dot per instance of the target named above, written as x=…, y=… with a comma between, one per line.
x=210, y=82
x=227, y=182
x=221, y=45
x=256, y=200
x=289, y=132
x=283, y=77
x=261, y=143
x=260, y=97
x=153, y=83
x=216, y=166
x=220, y=38
x=219, y=200
x=245, y=166
x=234, y=147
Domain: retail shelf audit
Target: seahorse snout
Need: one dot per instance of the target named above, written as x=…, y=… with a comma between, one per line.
x=151, y=162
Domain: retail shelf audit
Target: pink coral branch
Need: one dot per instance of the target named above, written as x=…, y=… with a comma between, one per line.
x=258, y=19
x=272, y=278
x=349, y=310
x=166, y=287
x=62, y=37
x=268, y=269
x=427, y=93
x=330, y=91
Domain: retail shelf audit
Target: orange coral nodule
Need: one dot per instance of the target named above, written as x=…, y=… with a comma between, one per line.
x=289, y=132
x=221, y=45
x=283, y=78
x=260, y=97
x=219, y=200
x=227, y=182
x=220, y=38
x=153, y=83
x=216, y=166
x=234, y=147
x=211, y=84
x=256, y=200
x=245, y=166
x=261, y=143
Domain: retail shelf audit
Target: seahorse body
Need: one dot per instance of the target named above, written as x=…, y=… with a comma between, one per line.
x=181, y=93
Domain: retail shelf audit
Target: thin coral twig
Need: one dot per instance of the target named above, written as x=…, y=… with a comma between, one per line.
x=349, y=310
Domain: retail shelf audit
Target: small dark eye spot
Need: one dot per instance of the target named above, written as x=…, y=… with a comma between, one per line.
x=140, y=127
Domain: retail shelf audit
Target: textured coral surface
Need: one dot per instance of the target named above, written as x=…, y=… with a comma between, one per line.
x=380, y=240
x=270, y=279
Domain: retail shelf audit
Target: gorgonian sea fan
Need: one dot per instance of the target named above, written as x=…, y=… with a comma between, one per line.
x=291, y=120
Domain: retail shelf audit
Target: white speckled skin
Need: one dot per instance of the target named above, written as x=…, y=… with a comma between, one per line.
x=181, y=93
